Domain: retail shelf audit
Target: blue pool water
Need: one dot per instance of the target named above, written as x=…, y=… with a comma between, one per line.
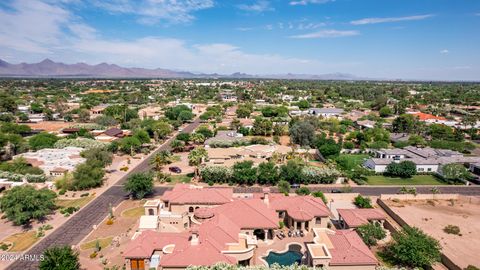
x=286, y=258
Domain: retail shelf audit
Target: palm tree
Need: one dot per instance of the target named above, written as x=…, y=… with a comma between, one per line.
x=196, y=156
x=177, y=145
x=161, y=159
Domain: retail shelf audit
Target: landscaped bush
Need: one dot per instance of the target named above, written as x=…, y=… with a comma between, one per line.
x=216, y=174
x=80, y=142
x=31, y=178
x=363, y=202
x=319, y=194
x=302, y=191
x=317, y=175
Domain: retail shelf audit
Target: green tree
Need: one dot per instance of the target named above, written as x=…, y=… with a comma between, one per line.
x=405, y=123
x=161, y=130
x=205, y=131
x=130, y=145
x=371, y=233
x=139, y=185
x=267, y=173
x=42, y=140
x=177, y=145
x=59, y=258
x=86, y=176
x=404, y=169
x=196, y=156
x=142, y=136
x=99, y=156
x=262, y=126
x=284, y=186
x=185, y=137
x=319, y=194
x=385, y=111
x=302, y=133
x=303, y=191
x=21, y=204
x=197, y=138
x=244, y=172
x=363, y=202
x=161, y=159
x=292, y=171
x=413, y=248
x=329, y=151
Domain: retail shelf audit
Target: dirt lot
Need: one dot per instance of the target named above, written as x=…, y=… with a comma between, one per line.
x=433, y=216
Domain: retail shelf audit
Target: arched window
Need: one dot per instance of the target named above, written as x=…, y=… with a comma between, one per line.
x=151, y=212
x=190, y=209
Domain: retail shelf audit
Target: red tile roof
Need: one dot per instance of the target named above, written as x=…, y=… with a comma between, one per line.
x=358, y=217
x=204, y=254
x=148, y=241
x=185, y=194
x=249, y=214
x=301, y=208
x=426, y=116
x=349, y=249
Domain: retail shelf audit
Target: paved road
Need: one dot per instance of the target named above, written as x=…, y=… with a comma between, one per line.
x=377, y=190
x=80, y=225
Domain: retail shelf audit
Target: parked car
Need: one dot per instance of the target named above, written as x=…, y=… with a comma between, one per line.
x=336, y=191
x=295, y=185
x=175, y=169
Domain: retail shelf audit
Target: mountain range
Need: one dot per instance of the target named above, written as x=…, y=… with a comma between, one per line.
x=50, y=69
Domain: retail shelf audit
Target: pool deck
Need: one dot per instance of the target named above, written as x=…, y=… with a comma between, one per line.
x=279, y=246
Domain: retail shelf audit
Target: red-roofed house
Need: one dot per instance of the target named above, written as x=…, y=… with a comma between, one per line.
x=354, y=218
x=342, y=250
x=300, y=212
x=187, y=198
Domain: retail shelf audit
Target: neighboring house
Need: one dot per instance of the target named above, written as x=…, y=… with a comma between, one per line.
x=257, y=153
x=110, y=135
x=399, y=137
x=341, y=249
x=55, y=162
x=354, y=218
x=228, y=95
x=36, y=118
x=433, y=119
x=426, y=159
x=365, y=124
x=225, y=136
x=98, y=110
x=325, y=112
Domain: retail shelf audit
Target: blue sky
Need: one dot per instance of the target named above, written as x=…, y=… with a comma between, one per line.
x=407, y=39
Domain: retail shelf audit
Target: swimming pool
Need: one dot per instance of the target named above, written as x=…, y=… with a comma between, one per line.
x=289, y=257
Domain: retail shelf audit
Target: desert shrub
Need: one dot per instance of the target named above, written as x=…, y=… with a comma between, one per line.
x=452, y=229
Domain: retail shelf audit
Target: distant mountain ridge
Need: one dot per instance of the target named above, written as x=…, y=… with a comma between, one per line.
x=48, y=68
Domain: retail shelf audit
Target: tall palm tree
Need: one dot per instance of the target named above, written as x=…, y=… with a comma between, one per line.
x=161, y=159
x=195, y=158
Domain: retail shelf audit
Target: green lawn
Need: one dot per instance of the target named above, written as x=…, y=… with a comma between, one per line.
x=135, y=212
x=395, y=181
x=80, y=202
x=347, y=162
x=180, y=178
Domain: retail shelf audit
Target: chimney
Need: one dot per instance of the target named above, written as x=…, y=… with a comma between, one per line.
x=194, y=239
x=266, y=200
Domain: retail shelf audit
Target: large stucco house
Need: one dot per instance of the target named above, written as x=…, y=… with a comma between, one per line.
x=201, y=226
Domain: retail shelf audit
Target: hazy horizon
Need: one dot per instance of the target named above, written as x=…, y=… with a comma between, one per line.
x=409, y=40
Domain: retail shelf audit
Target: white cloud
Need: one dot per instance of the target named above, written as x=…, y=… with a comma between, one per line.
x=306, y=2
x=155, y=11
x=444, y=51
x=32, y=26
x=390, y=19
x=258, y=6
x=327, y=34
